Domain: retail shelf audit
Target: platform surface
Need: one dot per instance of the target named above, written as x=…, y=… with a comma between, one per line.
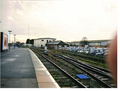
x=44, y=78
x=17, y=70
x=20, y=68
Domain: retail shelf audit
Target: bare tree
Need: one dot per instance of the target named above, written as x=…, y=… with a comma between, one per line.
x=84, y=41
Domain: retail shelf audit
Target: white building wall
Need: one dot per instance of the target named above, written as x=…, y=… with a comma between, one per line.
x=38, y=43
x=105, y=43
x=42, y=42
x=92, y=43
x=35, y=43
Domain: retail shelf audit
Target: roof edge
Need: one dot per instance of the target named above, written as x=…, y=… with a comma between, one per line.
x=45, y=38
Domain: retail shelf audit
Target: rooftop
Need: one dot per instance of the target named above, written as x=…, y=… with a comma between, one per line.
x=45, y=38
x=92, y=41
x=54, y=42
x=57, y=42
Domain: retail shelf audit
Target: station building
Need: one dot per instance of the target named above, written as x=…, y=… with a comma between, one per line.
x=57, y=45
x=41, y=42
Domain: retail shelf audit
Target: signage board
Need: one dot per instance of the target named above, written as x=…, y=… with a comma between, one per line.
x=4, y=41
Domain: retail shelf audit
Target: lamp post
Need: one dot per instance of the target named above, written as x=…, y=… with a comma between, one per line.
x=14, y=40
x=28, y=35
x=9, y=37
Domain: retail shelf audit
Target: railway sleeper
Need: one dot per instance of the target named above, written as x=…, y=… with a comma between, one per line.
x=99, y=77
x=105, y=79
x=84, y=70
x=63, y=80
x=62, y=77
x=80, y=84
x=85, y=66
x=53, y=70
x=92, y=75
x=113, y=85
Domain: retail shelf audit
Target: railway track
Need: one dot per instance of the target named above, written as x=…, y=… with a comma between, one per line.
x=99, y=62
x=63, y=78
x=68, y=56
x=99, y=74
x=99, y=78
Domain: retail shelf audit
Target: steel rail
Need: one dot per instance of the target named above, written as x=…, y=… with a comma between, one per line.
x=89, y=67
x=75, y=64
x=79, y=83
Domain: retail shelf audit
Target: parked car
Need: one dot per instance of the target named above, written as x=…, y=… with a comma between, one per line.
x=86, y=50
x=99, y=51
x=106, y=51
x=80, y=50
x=92, y=50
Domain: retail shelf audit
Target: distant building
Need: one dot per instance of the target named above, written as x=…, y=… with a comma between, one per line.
x=74, y=43
x=99, y=43
x=56, y=45
x=92, y=43
x=41, y=42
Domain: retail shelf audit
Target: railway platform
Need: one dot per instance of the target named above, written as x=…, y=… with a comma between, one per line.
x=20, y=68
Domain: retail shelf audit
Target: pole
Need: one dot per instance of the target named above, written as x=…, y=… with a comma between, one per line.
x=28, y=35
x=14, y=40
x=9, y=37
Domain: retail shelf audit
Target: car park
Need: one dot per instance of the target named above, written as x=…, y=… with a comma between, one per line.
x=93, y=51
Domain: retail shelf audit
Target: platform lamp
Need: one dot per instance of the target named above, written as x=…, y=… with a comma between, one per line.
x=14, y=40
x=9, y=37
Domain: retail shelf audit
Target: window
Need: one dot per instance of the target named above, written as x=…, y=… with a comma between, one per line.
x=59, y=45
x=65, y=45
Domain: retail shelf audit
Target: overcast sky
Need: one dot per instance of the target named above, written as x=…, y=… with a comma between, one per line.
x=68, y=20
